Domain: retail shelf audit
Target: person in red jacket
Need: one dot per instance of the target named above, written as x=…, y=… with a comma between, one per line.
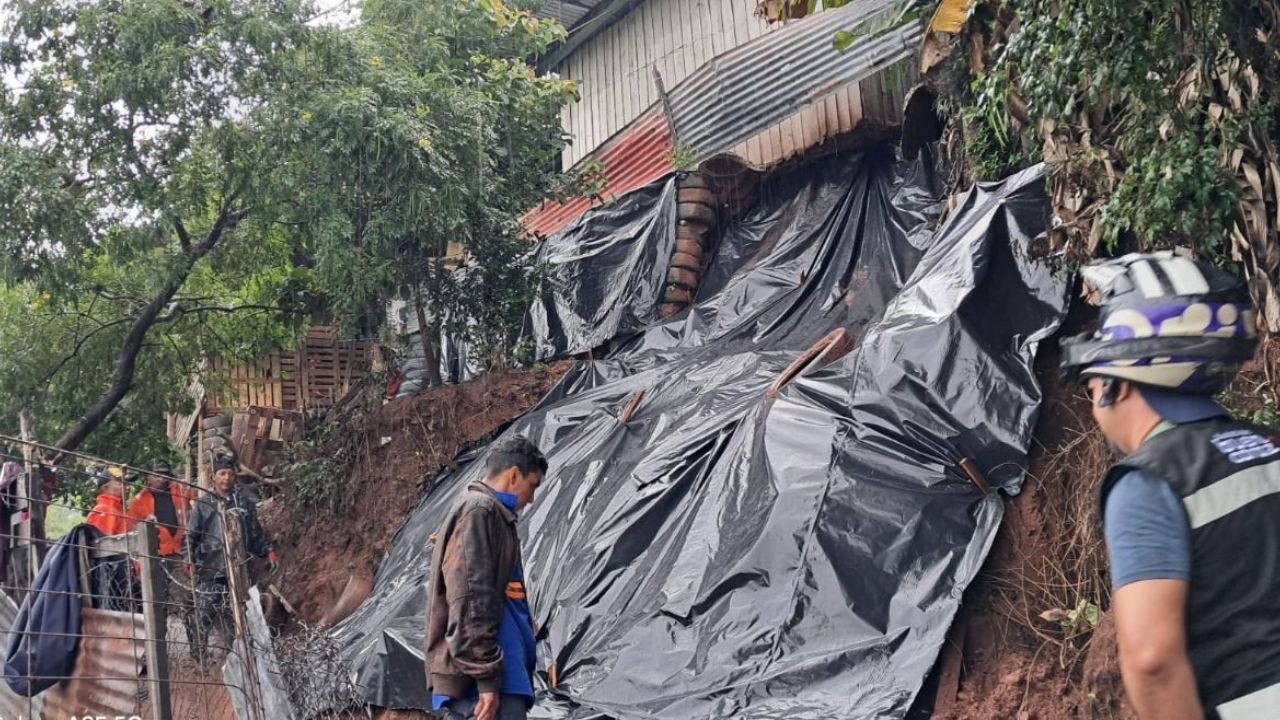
x=109, y=515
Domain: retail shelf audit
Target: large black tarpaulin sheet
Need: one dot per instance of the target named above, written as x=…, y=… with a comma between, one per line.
x=728, y=555
x=605, y=273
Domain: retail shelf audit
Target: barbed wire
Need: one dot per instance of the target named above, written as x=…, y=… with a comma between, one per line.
x=211, y=635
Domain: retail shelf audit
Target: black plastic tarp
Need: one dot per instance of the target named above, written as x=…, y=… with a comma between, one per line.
x=605, y=273
x=728, y=555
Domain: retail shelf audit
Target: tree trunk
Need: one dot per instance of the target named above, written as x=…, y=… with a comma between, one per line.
x=127, y=360
x=430, y=350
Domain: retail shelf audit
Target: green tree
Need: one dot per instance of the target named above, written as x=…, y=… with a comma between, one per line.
x=440, y=132
x=138, y=198
x=186, y=178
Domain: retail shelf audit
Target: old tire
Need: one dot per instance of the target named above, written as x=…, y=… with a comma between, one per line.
x=685, y=278
x=669, y=309
x=688, y=261
x=685, y=231
x=677, y=294
x=216, y=421
x=702, y=196
x=696, y=214
x=689, y=247
x=693, y=180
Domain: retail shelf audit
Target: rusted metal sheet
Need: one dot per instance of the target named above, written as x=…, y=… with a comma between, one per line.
x=767, y=81
x=11, y=705
x=637, y=157
x=105, y=680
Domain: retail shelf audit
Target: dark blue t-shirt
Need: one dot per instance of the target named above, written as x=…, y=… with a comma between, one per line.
x=1147, y=530
x=515, y=635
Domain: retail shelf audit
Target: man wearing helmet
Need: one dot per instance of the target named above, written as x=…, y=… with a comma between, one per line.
x=1192, y=513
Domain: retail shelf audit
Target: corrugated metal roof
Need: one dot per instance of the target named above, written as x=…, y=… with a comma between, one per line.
x=835, y=121
x=635, y=157
x=568, y=12
x=615, y=70
x=105, y=679
x=757, y=85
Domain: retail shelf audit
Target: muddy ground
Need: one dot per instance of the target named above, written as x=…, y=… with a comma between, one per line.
x=393, y=452
x=1034, y=640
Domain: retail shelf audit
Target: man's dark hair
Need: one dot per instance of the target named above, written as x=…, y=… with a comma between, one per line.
x=516, y=452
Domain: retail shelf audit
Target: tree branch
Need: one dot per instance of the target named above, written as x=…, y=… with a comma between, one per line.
x=80, y=343
x=127, y=360
x=184, y=237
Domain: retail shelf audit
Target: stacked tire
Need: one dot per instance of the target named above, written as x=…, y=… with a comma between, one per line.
x=217, y=437
x=413, y=369
x=696, y=218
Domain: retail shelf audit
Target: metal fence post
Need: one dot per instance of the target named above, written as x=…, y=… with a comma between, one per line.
x=156, y=620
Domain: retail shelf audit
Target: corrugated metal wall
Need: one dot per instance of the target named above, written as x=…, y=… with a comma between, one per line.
x=614, y=69
x=631, y=160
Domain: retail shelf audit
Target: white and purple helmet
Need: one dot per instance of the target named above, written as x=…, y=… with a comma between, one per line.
x=1168, y=321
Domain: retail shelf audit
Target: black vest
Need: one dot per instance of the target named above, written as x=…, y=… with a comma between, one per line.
x=1227, y=474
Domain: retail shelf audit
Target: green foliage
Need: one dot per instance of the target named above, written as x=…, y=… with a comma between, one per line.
x=1137, y=94
x=430, y=119
x=880, y=24
x=683, y=157
x=1182, y=190
x=216, y=174
x=60, y=519
x=992, y=150
x=132, y=200
x=320, y=483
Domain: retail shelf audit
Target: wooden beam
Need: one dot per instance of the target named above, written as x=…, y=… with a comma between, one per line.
x=155, y=619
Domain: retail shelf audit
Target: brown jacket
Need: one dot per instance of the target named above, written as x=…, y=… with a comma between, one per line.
x=475, y=554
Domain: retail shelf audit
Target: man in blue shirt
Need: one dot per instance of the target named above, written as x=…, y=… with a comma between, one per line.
x=481, y=651
x=1190, y=512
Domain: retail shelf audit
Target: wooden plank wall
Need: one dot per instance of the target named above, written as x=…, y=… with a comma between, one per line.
x=614, y=70
x=314, y=376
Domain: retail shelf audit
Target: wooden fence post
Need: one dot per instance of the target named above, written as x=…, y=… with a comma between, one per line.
x=27, y=496
x=156, y=619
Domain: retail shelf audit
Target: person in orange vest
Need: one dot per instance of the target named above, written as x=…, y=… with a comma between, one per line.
x=167, y=504
x=108, y=514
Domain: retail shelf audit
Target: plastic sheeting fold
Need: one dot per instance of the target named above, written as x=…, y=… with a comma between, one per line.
x=729, y=555
x=605, y=273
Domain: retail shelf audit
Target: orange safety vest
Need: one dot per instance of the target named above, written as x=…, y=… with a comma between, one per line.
x=144, y=507
x=109, y=516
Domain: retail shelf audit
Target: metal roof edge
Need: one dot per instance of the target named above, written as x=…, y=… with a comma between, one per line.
x=593, y=23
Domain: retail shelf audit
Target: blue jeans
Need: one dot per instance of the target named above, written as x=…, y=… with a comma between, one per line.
x=510, y=707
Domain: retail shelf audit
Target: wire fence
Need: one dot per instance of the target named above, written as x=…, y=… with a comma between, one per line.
x=126, y=625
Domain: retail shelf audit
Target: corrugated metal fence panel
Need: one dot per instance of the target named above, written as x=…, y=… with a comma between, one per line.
x=106, y=679
x=761, y=84
x=637, y=157
x=11, y=705
x=614, y=70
